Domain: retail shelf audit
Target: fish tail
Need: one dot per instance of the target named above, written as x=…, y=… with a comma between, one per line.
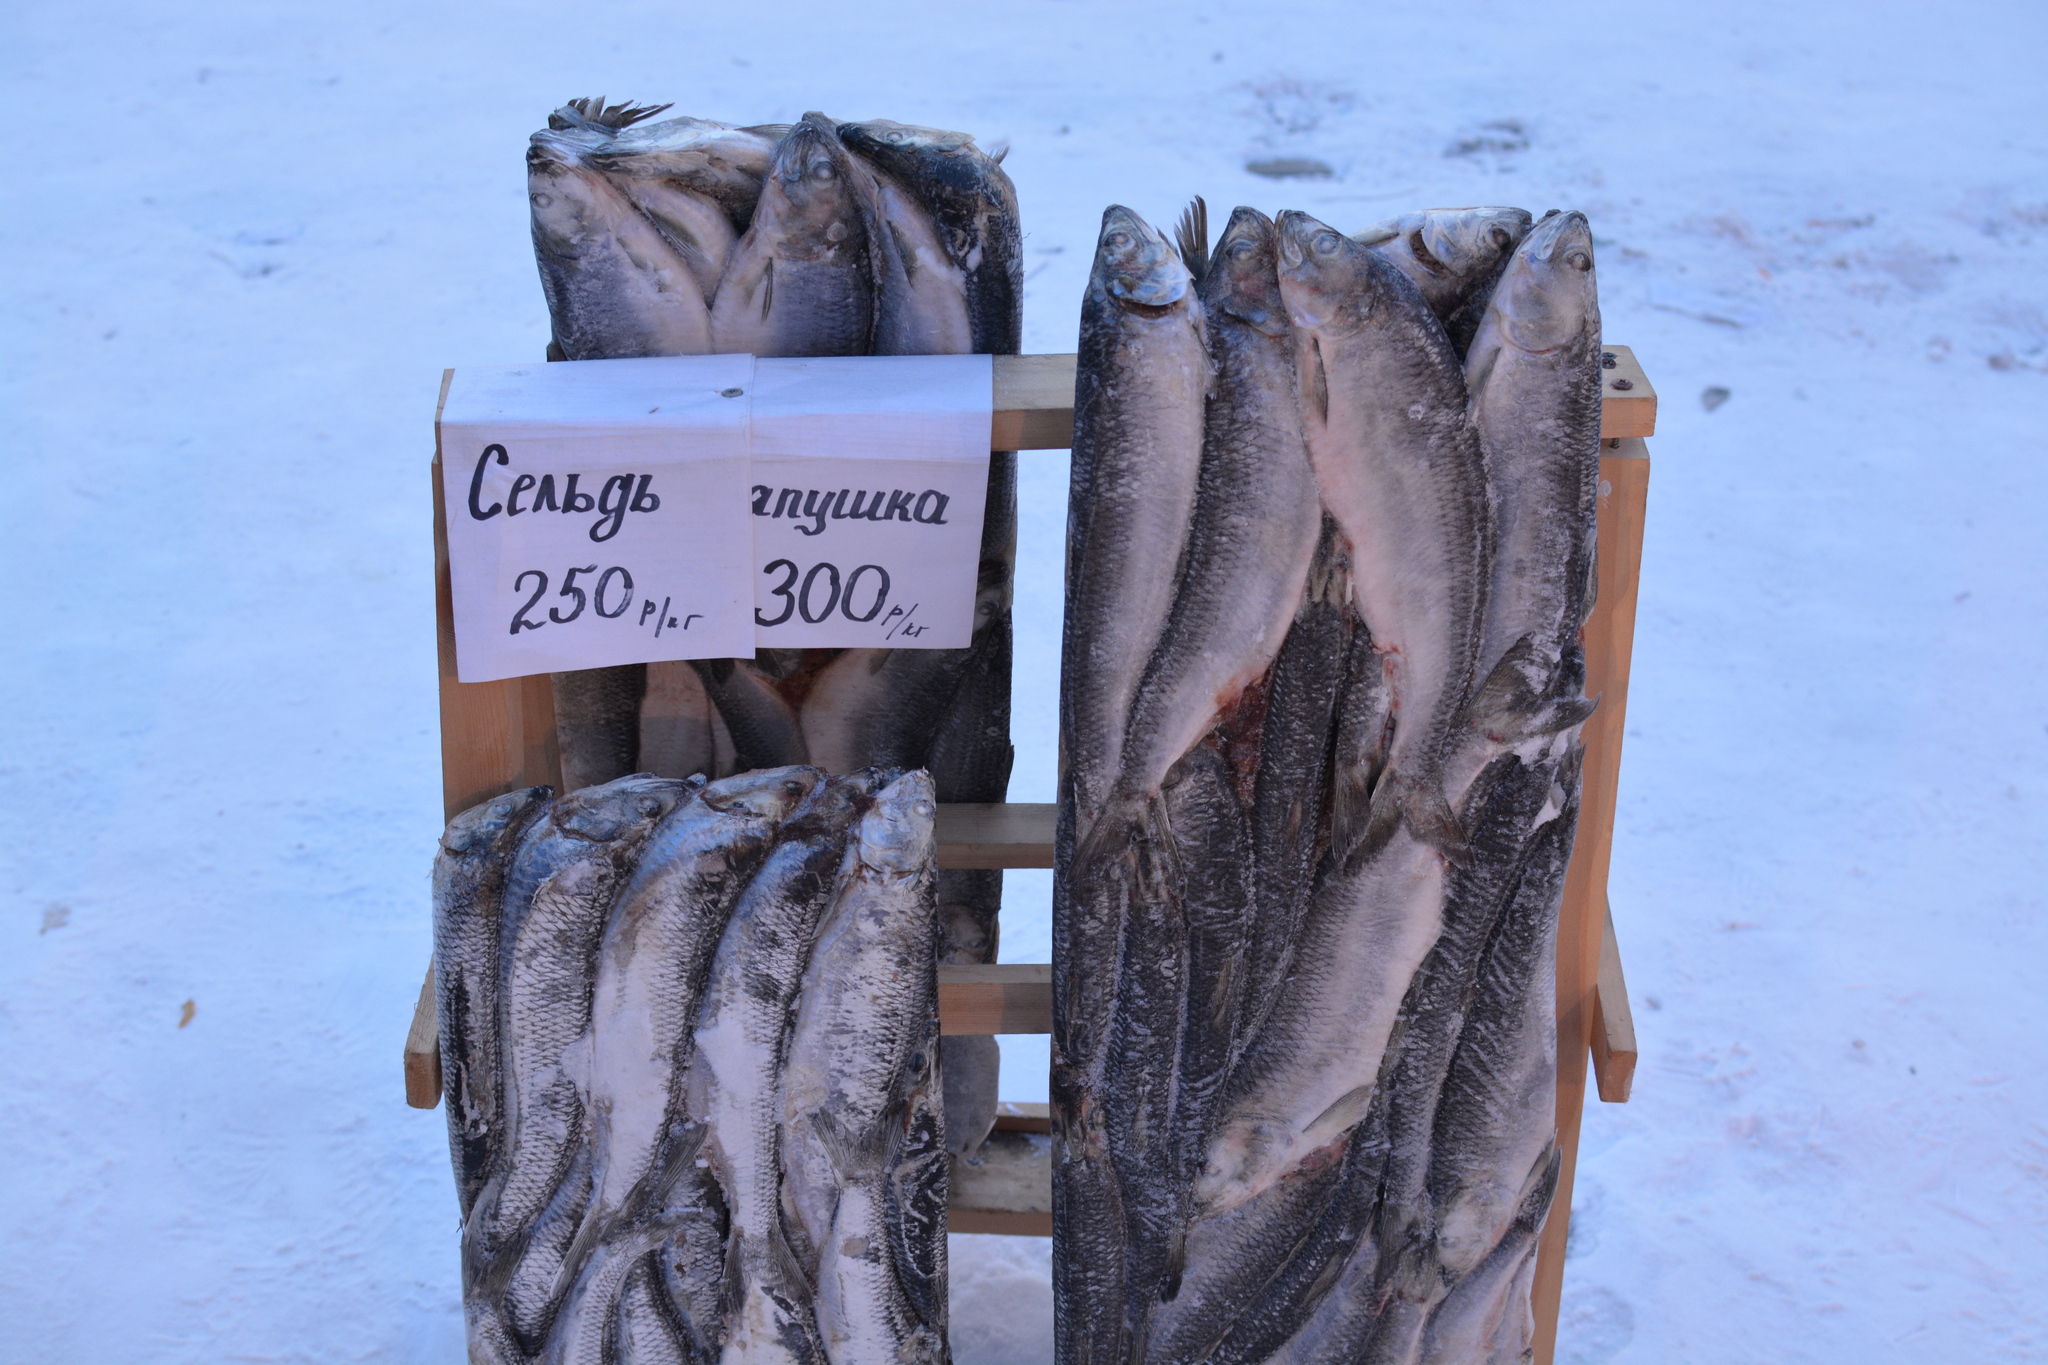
x=1128, y=824
x=1422, y=807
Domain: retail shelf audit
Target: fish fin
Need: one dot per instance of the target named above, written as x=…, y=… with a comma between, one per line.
x=998, y=152
x=1520, y=699
x=853, y=1156
x=1315, y=382
x=1191, y=235
x=1125, y=822
x=1421, y=806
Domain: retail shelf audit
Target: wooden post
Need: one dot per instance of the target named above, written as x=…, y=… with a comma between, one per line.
x=1610, y=637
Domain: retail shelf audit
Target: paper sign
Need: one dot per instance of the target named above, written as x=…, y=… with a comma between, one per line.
x=595, y=513
x=628, y=511
x=870, y=477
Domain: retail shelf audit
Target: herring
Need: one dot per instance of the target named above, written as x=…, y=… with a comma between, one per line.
x=801, y=281
x=469, y=893
x=1399, y=461
x=1453, y=256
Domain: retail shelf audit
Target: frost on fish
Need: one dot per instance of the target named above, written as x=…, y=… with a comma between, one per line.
x=1311, y=849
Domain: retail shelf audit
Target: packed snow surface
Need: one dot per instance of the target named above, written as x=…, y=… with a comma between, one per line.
x=244, y=239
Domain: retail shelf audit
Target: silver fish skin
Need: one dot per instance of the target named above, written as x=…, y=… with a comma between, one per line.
x=1534, y=376
x=1495, y=1116
x=920, y=294
x=1314, y=1069
x=646, y=1330
x=615, y=287
x=695, y=225
x=734, y=1086
x=865, y=1007
x=919, y=1187
x=1257, y=517
x=1399, y=461
x=716, y=160
x=765, y=730
x=801, y=281
x=470, y=872
x=1453, y=256
x=1313, y=685
x=1144, y=377
x=651, y=966
x=1230, y=1258
x=597, y=723
x=863, y=1313
x=527, y=1301
x=586, y=1329
x=974, y=205
x=569, y=869
x=1485, y=1316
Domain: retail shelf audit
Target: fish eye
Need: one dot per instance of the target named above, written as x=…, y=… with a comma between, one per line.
x=1579, y=261
x=648, y=805
x=1117, y=241
x=823, y=170
x=1241, y=249
x=1499, y=235
x=1327, y=243
x=792, y=788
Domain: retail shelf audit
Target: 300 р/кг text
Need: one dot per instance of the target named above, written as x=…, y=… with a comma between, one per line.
x=609, y=596
x=814, y=594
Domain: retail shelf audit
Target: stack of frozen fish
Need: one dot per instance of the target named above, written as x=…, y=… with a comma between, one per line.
x=689, y=1038
x=1330, y=551
x=819, y=238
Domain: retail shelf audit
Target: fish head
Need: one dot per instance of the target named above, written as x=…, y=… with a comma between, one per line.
x=1330, y=283
x=573, y=208
x=626, y=806
x=812, y=196
x=1136, y=268
x=482, y=824
x=1548, y=296
x=903, y=137
x=1243, y=279
x=1466, y=243
x=714, y=159
x=898, y=834
x=769, y=793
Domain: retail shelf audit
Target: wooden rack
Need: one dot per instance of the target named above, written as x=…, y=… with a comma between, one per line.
x=497, y=736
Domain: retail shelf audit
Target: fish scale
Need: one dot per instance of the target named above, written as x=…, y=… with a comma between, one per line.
x=740, y=1042
x=567, y=871
x=651, y=968
x=1402, y=473
x=470, y=871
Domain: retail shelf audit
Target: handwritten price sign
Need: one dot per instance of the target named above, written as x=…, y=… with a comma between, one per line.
x=628, y=511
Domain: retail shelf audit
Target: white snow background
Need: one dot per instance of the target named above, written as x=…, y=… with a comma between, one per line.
x=242, y=240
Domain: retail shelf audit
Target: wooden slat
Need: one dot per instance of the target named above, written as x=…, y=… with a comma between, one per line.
x=1628, y=404
x=1034, y=401
x=1610, y=636
x=999, y=998
x=1023, y=1117
x=1004, y=1187
x=423, y=1050
x=993, y=834
x=1614, y=1024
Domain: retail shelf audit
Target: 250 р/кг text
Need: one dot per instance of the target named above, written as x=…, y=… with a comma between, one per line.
x=814, y=595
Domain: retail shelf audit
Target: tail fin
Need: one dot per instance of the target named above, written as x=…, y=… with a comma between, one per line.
x=1124, y=822
x=1421, y=806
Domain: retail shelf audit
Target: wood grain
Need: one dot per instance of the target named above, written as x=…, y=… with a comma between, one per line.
x=1610, y=636
x=995, y=834
x=1001, y=997
x=423, y=1050
x=1034, y=401
x=1614, y=1024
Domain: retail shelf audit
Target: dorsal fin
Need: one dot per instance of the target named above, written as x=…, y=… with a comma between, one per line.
x=1191, y=235
x=621, y=115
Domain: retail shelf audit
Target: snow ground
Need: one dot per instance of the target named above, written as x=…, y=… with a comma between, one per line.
x=246, y=239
